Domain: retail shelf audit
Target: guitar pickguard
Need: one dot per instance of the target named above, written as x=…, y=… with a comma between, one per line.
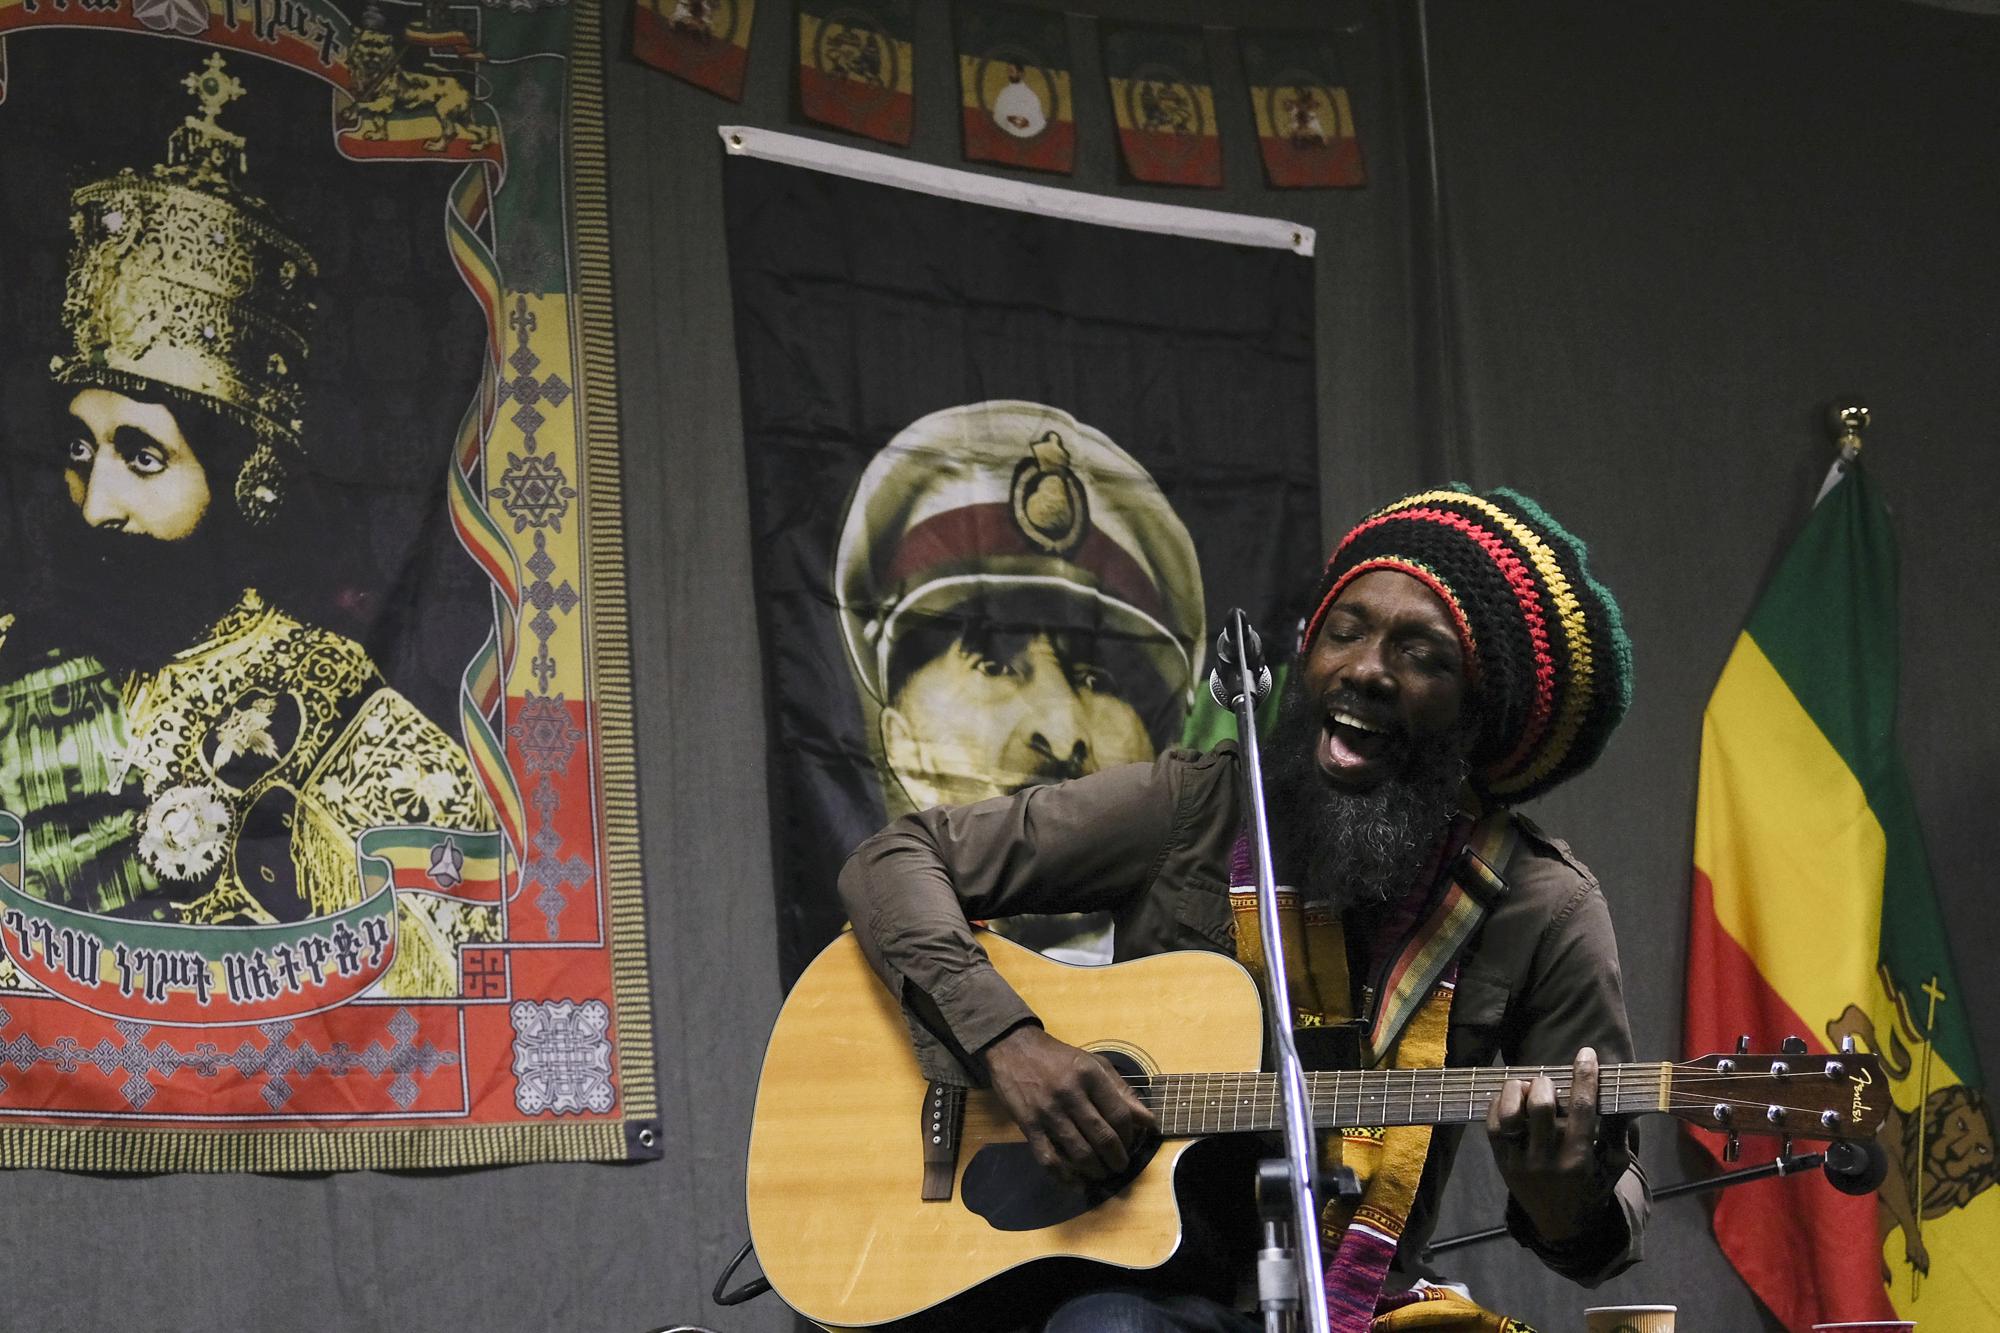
x=1005, y=1185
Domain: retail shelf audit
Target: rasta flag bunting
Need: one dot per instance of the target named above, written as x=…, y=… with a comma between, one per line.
x=328, y=862
x=996, y=511
x=1164, y=102
x=854, y=66
x=1305, y=122
x=1813, y=914
x=1014, y=81
x=706, y=42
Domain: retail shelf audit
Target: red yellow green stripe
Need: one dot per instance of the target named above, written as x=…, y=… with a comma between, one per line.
x=482, y=689
x=409, y=857
x=1812, y=904
x=1431, y=950
x=1781, y=824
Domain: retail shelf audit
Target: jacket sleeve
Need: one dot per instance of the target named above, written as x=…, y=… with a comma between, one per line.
x=1575, y=998
x=911, y=890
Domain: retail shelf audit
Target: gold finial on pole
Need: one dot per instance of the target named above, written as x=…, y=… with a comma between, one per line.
x=1845, y=420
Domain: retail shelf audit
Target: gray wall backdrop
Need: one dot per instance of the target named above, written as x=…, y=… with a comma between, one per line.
x=1670, y=234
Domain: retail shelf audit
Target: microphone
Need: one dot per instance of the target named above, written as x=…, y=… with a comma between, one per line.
x=1226, y=690
x=1855, y=1166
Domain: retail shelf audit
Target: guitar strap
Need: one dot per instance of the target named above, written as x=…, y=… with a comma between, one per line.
x=1406, y=1030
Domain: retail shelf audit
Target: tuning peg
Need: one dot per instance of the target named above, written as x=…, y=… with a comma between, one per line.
x=1743, y=1044
x=1785, y=1146
x=1793, y=1046
x=1847, y=1044
x=1732, y=1148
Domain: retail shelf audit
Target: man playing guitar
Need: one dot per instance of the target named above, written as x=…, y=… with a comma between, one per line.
x=1460, y=659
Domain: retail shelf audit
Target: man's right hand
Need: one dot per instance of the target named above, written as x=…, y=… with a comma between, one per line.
x=1080, y=1116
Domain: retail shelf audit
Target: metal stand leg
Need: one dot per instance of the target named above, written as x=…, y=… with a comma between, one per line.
x=1277, y=1261
x=1294, y=1256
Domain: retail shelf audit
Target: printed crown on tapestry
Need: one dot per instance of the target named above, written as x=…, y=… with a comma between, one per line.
x=1004, y=501
x=1545, y=645
x=183, y=284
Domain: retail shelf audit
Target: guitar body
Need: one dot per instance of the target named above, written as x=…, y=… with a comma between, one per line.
x=837, y=1144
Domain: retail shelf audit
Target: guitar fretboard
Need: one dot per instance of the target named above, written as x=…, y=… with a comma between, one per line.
x=1189, y=1104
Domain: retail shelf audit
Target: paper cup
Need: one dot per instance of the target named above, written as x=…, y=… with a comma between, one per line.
x=1630, y=1318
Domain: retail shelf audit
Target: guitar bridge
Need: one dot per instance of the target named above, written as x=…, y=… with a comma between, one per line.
x=943, y=1121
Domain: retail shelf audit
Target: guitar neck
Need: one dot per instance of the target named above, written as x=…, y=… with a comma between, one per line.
x=1192, y=1104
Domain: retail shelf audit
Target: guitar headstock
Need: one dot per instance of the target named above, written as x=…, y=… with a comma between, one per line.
x=1842, y=1095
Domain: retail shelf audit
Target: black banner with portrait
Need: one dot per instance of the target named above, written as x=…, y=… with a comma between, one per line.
x=1008, y=470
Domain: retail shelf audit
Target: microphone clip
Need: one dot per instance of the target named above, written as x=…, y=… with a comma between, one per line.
x=1226, y=681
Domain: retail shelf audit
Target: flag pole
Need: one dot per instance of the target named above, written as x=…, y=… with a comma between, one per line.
x=1845, y=420
x=1931, y=989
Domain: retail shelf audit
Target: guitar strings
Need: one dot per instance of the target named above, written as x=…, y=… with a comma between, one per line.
x=1679, y=1072
x=1195, y=1103
x=1213, y=1095
x=1264, y=1111
x=1616, y=1076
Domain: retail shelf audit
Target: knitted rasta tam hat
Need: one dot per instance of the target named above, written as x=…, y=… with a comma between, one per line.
x=1546, y=654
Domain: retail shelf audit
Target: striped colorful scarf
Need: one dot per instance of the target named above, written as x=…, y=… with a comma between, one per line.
x=1420, y=944
x=1440, y=1310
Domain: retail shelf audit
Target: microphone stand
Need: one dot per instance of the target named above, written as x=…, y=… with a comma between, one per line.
x=1289, y=1286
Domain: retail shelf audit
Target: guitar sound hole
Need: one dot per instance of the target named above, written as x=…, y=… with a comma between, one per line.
x=1005, y=1185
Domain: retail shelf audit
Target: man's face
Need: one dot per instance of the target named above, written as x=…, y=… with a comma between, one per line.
x=130, y=469
x=1387, y=674
x=1366, y=760
x=1001, y=709
x=133, y=560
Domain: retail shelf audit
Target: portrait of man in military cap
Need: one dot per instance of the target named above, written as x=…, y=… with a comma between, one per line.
x=180, y=745
x=1019, y=605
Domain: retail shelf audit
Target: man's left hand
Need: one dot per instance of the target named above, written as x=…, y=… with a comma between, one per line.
x=1550, y=1161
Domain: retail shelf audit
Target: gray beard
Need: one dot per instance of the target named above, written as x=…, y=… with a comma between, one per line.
x=1350, y=849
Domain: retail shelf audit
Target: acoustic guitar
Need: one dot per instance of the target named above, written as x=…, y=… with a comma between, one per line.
x=876, y=1198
